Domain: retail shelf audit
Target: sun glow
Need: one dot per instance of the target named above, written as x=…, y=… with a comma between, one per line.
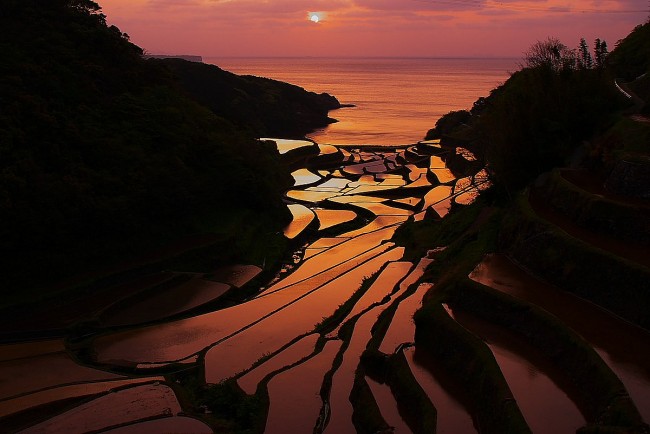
x=316, y=16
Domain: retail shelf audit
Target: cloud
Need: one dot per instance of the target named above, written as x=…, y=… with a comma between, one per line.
x=420, y=5
x=367, y=27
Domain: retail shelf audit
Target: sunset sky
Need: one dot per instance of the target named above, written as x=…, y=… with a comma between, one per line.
x=428, y=28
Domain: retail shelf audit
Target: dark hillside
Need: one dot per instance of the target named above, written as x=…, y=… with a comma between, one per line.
x=536, y=120
x=631, y=58
x=568, y=153
x=104, y=154
x=266, y=106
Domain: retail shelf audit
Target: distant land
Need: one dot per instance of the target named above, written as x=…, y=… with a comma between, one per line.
x=188, y=57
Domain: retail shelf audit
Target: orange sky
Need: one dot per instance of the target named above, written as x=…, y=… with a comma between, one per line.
x=428, y=28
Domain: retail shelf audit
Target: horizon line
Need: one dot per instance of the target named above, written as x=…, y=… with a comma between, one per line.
x=339, y=57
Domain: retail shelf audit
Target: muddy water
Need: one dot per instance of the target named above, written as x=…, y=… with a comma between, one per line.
x=179, y=339
x=329, y=218
x=302, y=217
x=436, y=195
x=298, y=389
x=624, y=347
x=293, y=354
x=168, y=302
x=267, y=336
x=304, y=177
x=233, y=340
x=388, y=406
x=28, y=368
x=538, y=387
x=444, y=176
x=177, y=424
x=380, y=289
x=341, y=408
x=286, y=145
x=380, y=209
x=453, y=414
x=235, y=275
x=467, y=198
x=379, y=223
x=40, y=397
x=339, y=254
x=402, y=326
x=125, y=406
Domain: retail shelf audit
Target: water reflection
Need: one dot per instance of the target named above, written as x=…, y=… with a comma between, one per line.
x=388, y=406
x=623, y=346
x=286, y=145
x=298, y=389
x=453, y=414
x=302, y=217
x=537, y=385
x=294, y=353
x=341, y=407
x=360, y=201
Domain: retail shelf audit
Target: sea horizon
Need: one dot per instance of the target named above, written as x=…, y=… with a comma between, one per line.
x=349, y=57
x=396, y=99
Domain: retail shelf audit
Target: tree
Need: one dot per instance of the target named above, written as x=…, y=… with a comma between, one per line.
x=551, y=54
x=600, y=53
x=84, y=5
x=585, y=60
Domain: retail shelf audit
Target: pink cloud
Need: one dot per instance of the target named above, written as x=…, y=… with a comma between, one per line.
x=367, y=27
x=420, y=5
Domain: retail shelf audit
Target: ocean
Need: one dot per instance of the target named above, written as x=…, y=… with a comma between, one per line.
x=397, y=100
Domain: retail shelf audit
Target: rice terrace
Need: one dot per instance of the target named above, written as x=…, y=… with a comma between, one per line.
x=190, y=250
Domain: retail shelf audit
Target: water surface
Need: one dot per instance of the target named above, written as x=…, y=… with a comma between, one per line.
x=397, y=99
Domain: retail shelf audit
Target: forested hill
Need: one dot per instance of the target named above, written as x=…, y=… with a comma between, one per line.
x=104, y=153
x=561, y=100
x=266, y=106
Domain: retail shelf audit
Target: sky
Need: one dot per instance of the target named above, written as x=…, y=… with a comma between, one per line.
x=368, y=28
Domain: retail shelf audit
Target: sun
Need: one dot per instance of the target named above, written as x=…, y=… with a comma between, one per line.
x=317, y=17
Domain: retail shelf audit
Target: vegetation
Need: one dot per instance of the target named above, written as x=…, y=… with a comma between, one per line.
x=234, y=410
x=534, y=122
x=610, y=281
x=560, y=102
x=367, y=416
x=468, y=360
x=599, y=392
x=104, y=155
x=265, y=106
x=631, y=58
x=599, y=214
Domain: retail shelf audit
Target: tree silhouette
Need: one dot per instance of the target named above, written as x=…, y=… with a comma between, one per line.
x=600, y=52
x=552, y=54
x=585, y=61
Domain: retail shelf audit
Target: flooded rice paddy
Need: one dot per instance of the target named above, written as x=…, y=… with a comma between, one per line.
x=453, y=415
x=299, y=339
x=388, y=406
x=535, y=383
x=623, y=346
